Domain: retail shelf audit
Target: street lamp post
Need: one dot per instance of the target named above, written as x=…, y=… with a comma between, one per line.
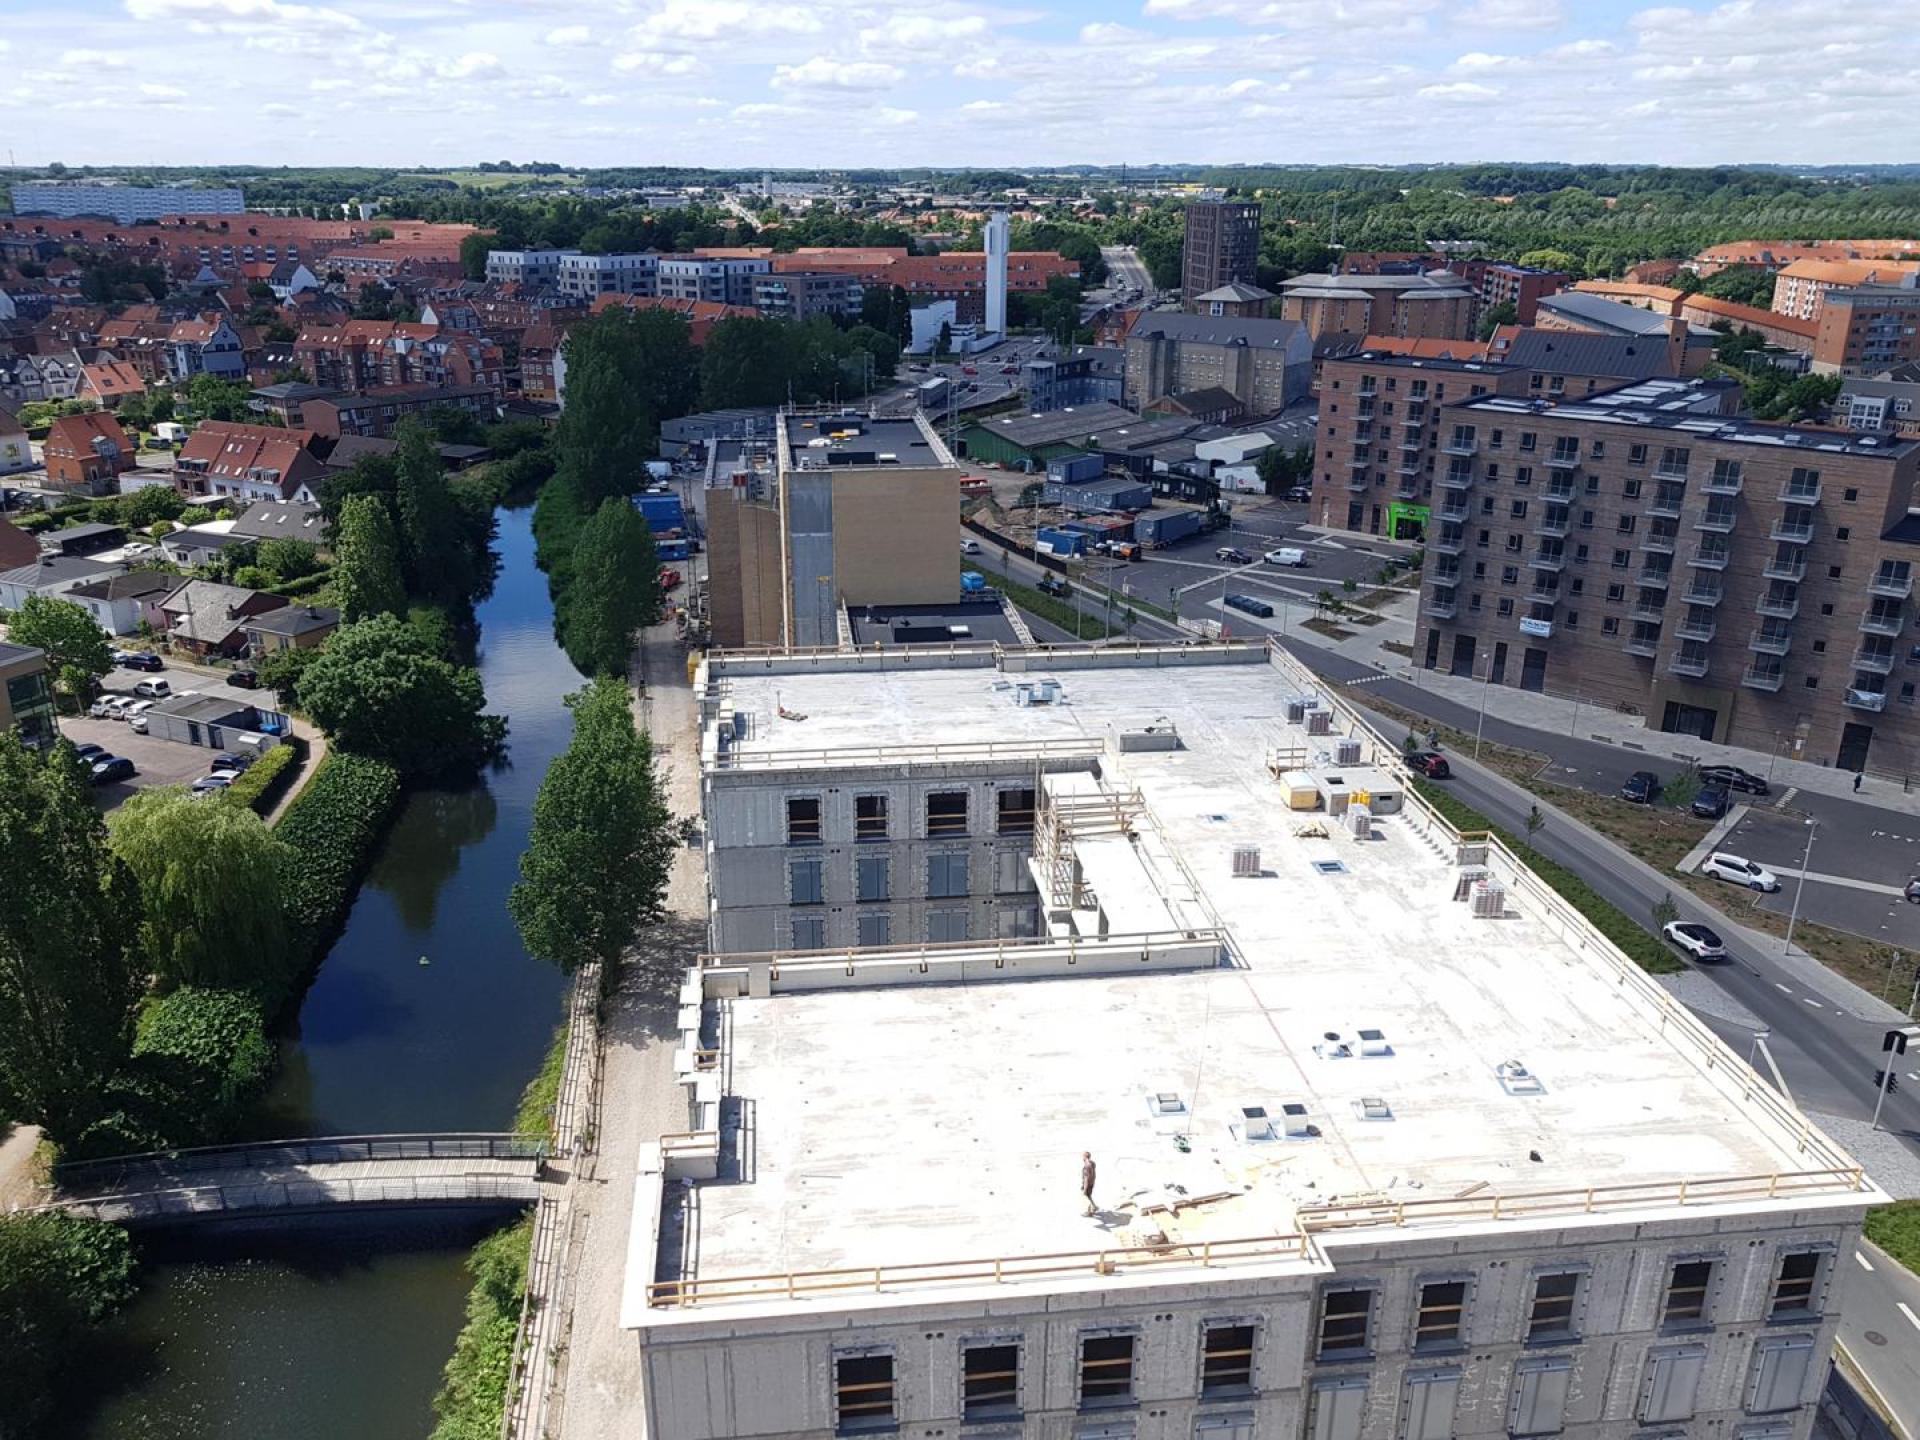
x=1486, y=684
x=1806, y=860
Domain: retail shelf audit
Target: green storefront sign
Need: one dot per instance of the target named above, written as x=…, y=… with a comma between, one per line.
x=1406, y=521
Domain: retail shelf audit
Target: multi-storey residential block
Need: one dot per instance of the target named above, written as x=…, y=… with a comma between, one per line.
x=1385, y=1140
x=123, y=203
x=1377, y=441
x=802, y=294
x=586, y=276
x=206, y=346
x=1801, y=289
x=530, y=268
x=1868, y=329
x=248, y=462
x=1263, y=364
x=837, y=508
x=1501, y=283
x=1434, y=304
x=1744, y=582
x=721, y=279
x=383, y=409
x=1882, y=404
x=1222, y=246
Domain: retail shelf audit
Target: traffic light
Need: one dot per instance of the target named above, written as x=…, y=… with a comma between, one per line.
x=1891, y=1081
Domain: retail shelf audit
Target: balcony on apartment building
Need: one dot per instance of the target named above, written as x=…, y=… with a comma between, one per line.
x=1442, y=605
x=1667, y=502
x=1450, y=540
x=1697, y=627
x=1457, y=478
x=1884, y=620
x=1565, y=455
x=1875, y=659
x=1771, y=639
x=1801, y=491
x=1455, y=509
x=1763, y=677
x=1893, y=581
x=1548, y=558
x=1539, y=627
x=1653, y=577
x=1705, y=590
x=1648, y=612
x=1461, y=442
x=1660, y=539
x=1690, y=659
x=1725, y=479
x=1779, y=604
x=1864, y=697
x=1559, y=488
x=1718, y=518
x=1711, y=557
x=1555, y=523
x=1644, y=641
x=1782, y=567
x=1792, y=529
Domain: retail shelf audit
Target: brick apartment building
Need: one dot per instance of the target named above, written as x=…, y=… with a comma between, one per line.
x=1801, y=289
x=1501, y=283
x=1222, y=246
x=803, y=294
x=1265, y=365
x=957, y=275
x=1431, y=305
x=1744, y=582
x=1868, y=329
x=381, y=410
x=87, y=453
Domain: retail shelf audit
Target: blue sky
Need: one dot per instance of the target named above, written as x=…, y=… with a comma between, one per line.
x=946, y=82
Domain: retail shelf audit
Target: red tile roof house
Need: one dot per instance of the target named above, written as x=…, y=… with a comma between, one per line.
x=87, y=453
x=111, y=382
x=248, y=462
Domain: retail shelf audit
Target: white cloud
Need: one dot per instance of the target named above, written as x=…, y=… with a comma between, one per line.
x=1513, y=15
x=95, y=59
x=570, y=35
x=1480, y=60
x=599, y=98
x=656, y=62
x=227, y=14
x=823, y=72
x=465, y=67
x=887, y=115
x=1463, y=92
x=711, y=19
x=985, y=107
x=162, y=92
x=276, y=108
x=921, y=34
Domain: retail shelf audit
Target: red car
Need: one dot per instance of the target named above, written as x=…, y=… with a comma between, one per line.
x=1430, y=764
x=669, y=579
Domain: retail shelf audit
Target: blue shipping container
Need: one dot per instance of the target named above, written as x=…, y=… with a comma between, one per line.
x=662, y=512
x=1074, y=468
x=1161, y=527
x=1061, y=542
x=672, y=549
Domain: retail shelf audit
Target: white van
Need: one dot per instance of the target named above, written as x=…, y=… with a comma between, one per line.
x=153, y=689
x=1287, y=555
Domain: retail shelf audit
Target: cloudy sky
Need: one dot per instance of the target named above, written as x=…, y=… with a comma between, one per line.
x=947, y=82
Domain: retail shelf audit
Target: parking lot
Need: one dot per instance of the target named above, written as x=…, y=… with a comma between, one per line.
x=158, y=761
x=1186, y=576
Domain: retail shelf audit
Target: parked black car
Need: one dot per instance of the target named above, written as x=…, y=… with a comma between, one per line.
x=87, y=754
x=1430, y=764
x=1642, y=787
x=1710, y=803
x=228, y=760
x=244, y=679
x=1250, y=605
x=1052, y=585
x=142, y=660
x=109, y=768
x=1743, y=782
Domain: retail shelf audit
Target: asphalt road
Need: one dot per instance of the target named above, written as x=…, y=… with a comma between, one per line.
x=1880, y=1326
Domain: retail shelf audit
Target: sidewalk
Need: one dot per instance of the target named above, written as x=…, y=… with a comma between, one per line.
x=1578, y=719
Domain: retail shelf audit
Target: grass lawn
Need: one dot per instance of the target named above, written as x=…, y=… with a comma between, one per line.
x=1050, y=608
x=1896, y=1229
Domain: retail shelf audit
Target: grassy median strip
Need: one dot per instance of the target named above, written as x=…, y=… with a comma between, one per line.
x=1895, y=1229
x=1638, y=943
x=1050, y=608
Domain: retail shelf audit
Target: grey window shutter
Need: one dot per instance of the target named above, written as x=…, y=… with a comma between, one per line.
x=1672, y=1383
x=1338, y=1406
x=1431, y=1397
x=1540, y=1396
x=1780, y=1367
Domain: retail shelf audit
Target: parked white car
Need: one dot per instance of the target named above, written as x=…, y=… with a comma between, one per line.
x=1697, y=940
x=1738, y=870
x=136, y=715
x=154, y=689
x=105, y=706
x=1287, y=555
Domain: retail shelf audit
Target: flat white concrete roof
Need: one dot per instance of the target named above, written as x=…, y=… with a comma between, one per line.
x=946, y=1122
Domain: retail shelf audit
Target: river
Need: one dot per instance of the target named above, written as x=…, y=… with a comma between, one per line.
x=427, y=1015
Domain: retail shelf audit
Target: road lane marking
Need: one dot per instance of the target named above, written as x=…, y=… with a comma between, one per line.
x=1865, y=1264
x=1786, y=797
x=1845, y=882
x=1813, y=1002
x=1783, y=989
x=1906, y=1310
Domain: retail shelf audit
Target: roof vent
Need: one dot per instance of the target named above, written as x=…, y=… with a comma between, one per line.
x=1246, y=861
x=1330, y=867
x=1255, y=1123
x=1293, y=1120
x=1516, y=1079
x=1163, y=1104
x=1372, y=1107
x=1332, y=1046
x=1374, y=1042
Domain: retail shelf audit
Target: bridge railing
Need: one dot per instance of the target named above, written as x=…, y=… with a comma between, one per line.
x=289, y=1195
x=321, y=1150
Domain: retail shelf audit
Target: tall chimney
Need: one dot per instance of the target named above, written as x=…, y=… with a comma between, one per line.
x=1676, y=345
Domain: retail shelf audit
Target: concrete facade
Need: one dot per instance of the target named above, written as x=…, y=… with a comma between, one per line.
x=1222, y=245
x=124, y=203
x=1436, y=305
x=873, y=1224
x=1266, y=365
x=1746, y=582
x=837, y=508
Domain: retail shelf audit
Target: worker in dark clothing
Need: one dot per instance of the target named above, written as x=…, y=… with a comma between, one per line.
x=1087, y=1172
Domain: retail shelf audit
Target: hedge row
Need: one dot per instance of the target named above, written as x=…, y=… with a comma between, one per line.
x=1635, y=940
x=333, y=828
x=266, y=780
